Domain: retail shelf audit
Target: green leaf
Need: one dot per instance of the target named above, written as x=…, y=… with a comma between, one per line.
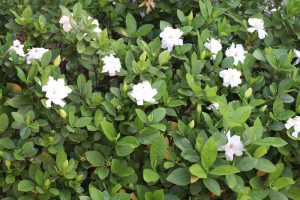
x=279, y=112
x=272, y=141
x=61, y=158
x=282, y=182
x=193, y=85
x=209, y=153
x=246, y=163
x=265, y=165
x=179, y=176
x=7, y=143
x=158, y=151
x=150, y=176
x=157, y=115
x=126, y=145
x=95, y=194
x=197, y=171
x=108, y=130
x=164, y=57
x=130, y=23
x=141, y=115
x=26, y=186
x=212, y=186
x=46, y=58
x=4, y=122
x=237, y=117
x=80, y=46
x=95, y=158
x=82, y=122
x=224, y=170
x=144, y=30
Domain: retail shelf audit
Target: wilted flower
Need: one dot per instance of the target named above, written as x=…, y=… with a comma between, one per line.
x=143, y=92
x=257, y=25
x=149, y=4
x=35, y=53
x=214, y=46
x=231, y=77
x=56, y=91
x=111, y=65
x=237, y=52
x=297, y=61
x=234, y=146
x=214, y=105
x=170, y=38
x=294, y=122
x=65, y=22
x=17, y=47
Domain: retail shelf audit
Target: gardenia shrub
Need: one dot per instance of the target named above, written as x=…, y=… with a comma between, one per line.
x=149, y=99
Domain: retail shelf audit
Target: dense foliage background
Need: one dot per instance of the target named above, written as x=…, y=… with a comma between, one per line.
x=102, y=145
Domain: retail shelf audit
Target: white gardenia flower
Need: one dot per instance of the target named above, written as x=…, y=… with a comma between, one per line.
x=111, y=65
x=56, y=91
x=65, y=22
x=234, y=146
x=214, y=46
x=170, y=38
x=294, y=122
x=257, y=25
x=17, y=47
x=298, y=57
x=95, y=22
x=35, y=53
x=237, y=52
x=231, y=77
x=143, y=92
x=214, y=105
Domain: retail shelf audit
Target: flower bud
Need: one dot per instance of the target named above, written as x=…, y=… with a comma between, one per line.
x=79, y=177
x=65, y=165
x=143, y=57
x=190, y=16
x=203, y=54
x=50, y=139
x=248, y=93
x=263, y=109
x=125, y=87
x=198, y=109
x=47, y=183
x=7, y=164
x=57, y=61
x=191, y=125
x=62, y=113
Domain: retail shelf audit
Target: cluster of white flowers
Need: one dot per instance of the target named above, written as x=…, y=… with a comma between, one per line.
x=56, y=91
x=35, y=53
x=295, y=123
x=66, y=24
x=231, y=77
x=214, y=46
x=237, y=52
x=170, y=38
x=257, y=25
x=143, y=92
x=233, y=147
x=297, y=53
x=111, y=65
x=17, y=47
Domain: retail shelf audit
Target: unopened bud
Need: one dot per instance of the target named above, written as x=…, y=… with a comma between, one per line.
x=7, y=164
x=65, y=165
x=57, y=61
x=50, y=139
x=47, y=183
x=264, y=108
x=199, y=109
x=191, y=124
x=79, y=177
x=248, y=93
x=143, y=57
x=203, y=54
x=62, y=113
x=125, y=87
x=190, y=16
